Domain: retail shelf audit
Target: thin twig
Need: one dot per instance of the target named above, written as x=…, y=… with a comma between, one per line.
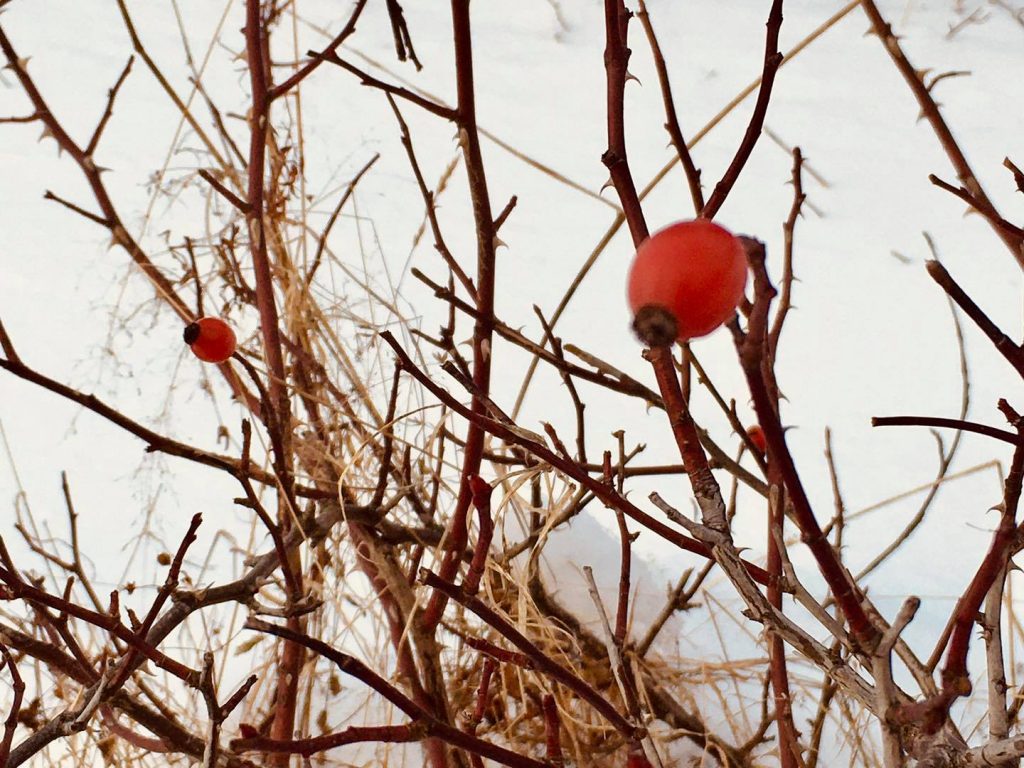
x=321, y=243
x=109, y=111
x=369, y=80
x=18, y=690
x=930, y=110
x=240, y=205
x=934, y=421
x=772, y=61
x=671, y=118
x=616, y=61
x=308, y=68
x=541, y=660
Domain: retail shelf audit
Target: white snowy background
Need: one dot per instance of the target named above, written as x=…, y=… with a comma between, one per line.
x=871, y=335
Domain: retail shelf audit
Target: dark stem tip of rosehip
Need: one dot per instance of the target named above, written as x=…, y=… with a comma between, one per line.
x=656, y=326
x=191, y=333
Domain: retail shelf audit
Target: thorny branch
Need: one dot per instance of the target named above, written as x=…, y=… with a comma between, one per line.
x=930, y=111
x=772, y=61
x=358, y=486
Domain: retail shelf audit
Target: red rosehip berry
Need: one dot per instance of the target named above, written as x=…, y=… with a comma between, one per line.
x=686, y=280
x=756, y=435
x=211, y=339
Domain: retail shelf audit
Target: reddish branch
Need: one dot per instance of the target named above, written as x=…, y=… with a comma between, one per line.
x=958, y=424
x=498, y=653
x=515, y=436
x=671, y=119
x=163, y=594
x=482, y=502
x=930, y=111
x=933, y=712
x=456, y=537
x=705, y=486
x=483, y=329
x=616, y=61
x=108, y=217
x=1011, y=351
x=236, y=202
x=387, y=734
x=22, y=119
x=552, y=737
x=992, y=215
x=17, y=588
x=541, y=661
x=954, y=674
x=486, y=235
x=278, y=407
x=402, y=93
x=479, y=709
x=1018, y=174
x=18, y=689
x=424, y=724
x=752, y=348
x=286, y=86
x=259, y=126
x=154, y=442
x=772, y=62
x=625, y=567
x=789, y=746
x=482, y=692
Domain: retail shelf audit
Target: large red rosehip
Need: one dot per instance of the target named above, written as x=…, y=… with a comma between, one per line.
x=211, y=339
x=686, y=280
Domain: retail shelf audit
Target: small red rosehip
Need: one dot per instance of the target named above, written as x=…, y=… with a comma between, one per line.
x=686, y=280
x=756, y=435
x=211, y=339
